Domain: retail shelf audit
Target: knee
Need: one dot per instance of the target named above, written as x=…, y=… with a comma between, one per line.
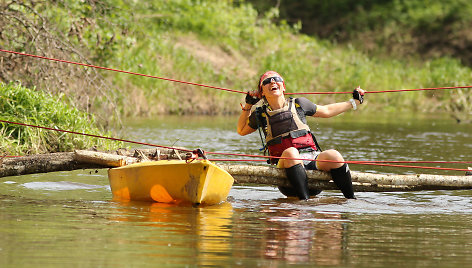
x=333, y=155
x=330, y=155
x=291, y=152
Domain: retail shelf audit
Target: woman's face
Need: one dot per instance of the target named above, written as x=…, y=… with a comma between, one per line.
x=272, y=85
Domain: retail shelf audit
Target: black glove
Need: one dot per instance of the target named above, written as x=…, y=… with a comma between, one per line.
x=358, y=96
x=251, y=99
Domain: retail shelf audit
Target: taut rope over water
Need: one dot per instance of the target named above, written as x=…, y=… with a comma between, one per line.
x=214, y=87
x=371, y=163
x=378, y=163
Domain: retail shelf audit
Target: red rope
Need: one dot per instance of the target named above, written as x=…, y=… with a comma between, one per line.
x=231, y=90
x=220, y=88
x=408, y=166
x=357, y=163
x=373, y=163
x=418, y=162
x=120, y=71
x=333, y=161
x=380, y=91
x=91, y=135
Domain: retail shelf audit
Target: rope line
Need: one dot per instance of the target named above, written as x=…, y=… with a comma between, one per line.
x=379, y=91
x=94, y=136
x=377, y=163
x=120, y=71
x=367, y=163
x=214, y=87
x=372, y=163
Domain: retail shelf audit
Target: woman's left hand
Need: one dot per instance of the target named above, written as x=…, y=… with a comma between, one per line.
x=358, y=94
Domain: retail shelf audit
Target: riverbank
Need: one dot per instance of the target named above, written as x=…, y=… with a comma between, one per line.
x=220, y=43
x=27, y=106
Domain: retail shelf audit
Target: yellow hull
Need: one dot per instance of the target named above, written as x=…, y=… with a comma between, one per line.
x=171, y=181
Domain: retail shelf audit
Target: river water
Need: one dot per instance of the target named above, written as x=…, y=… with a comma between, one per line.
x=67, y=219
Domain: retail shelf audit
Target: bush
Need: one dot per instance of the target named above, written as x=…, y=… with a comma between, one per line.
x=28, y=106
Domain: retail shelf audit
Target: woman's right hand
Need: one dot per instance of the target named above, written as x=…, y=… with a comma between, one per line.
x=252, y=97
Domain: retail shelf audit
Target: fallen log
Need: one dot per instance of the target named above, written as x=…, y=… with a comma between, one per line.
x=103, y=159
x=41, y=163
x=243, y=174
x=67, y=161
x=361, y=181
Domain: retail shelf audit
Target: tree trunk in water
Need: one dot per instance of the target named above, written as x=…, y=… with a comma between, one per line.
x=264, y=175
x=361, y=181
x=40, y=164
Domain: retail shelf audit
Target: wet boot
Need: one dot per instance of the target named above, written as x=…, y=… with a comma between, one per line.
x=298, y=180
x=290, y=191
x=342, y=179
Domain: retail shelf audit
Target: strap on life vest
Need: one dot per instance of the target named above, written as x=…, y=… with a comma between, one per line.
x=261, y=123
x=299, y=138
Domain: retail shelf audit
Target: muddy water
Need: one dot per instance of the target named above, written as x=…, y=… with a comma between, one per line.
x=68, y=218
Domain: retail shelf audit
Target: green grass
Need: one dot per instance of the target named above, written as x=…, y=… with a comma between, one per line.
x=249, y=38
x=229, y=44
x=220, y=43
x=28, y=106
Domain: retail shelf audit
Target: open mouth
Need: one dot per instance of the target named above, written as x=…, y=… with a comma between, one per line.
x=274, y=87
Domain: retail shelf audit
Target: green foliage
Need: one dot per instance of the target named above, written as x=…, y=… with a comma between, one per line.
x=218, y=20
x=229, y=44
x=100, y=26
x=23, y=105
x=406, y=28
x=172, y=29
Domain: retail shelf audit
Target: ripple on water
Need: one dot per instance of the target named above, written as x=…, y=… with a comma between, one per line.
x=60, y=186
x=419, y=202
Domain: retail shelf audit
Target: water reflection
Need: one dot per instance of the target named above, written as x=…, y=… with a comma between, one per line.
x=205, y=229
x=220, y=234
x=281, y=230
x=67, y=218
x=291, y=236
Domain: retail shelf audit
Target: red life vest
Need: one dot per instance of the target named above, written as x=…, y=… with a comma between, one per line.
x=285, y=129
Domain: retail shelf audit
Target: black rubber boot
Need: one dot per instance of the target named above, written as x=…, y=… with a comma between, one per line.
x=297, y=177
x=342, y=179
x=290, y=191
x=469, y=173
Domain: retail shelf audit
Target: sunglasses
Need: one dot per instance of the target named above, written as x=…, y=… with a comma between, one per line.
x=269, y=79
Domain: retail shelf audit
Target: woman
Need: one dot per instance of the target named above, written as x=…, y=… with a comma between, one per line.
x=288, y=135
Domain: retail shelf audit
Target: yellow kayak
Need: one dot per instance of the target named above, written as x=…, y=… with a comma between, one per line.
x=171, y=181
